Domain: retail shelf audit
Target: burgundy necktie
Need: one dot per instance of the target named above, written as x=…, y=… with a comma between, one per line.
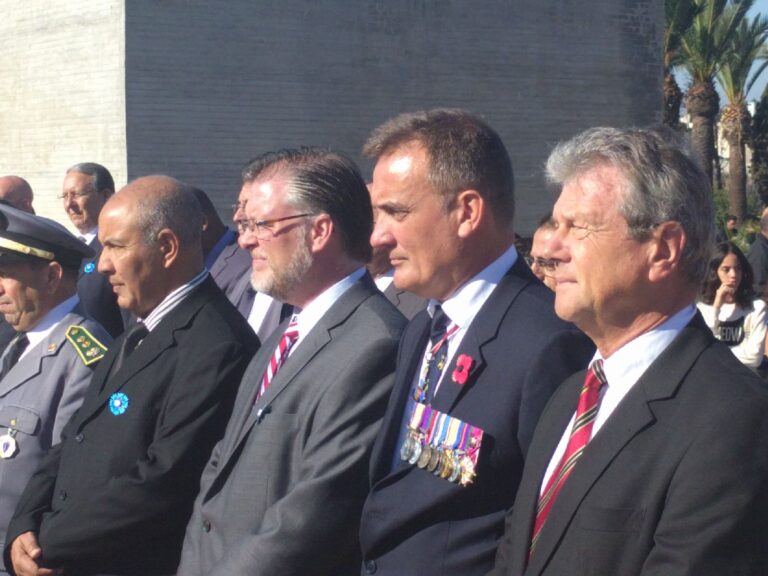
x=290, y=336
x=580, y=436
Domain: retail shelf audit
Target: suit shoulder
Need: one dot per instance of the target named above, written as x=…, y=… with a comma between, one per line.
x=381, y=315
x=218, y=320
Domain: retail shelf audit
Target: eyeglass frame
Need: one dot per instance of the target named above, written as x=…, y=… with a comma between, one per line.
x=256, y=226
x=73, y=195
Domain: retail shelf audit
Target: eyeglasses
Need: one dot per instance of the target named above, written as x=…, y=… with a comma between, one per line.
x=73, y=195
x=263, y=228
x=547, y=265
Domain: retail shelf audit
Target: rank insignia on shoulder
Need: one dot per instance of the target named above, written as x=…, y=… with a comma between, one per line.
x=87, y=346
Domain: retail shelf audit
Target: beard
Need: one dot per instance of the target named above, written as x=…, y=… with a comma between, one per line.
x=281, y=282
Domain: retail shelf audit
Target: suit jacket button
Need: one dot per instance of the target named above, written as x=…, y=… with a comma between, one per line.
x=79, y=438
x=370, y=566
x=206, y=526
x=62, y=494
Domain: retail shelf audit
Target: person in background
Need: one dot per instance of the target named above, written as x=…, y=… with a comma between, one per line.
x=539, y=259
x=729, y=306
x=87, y=187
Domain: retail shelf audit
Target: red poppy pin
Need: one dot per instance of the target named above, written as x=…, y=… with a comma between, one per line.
x=461, y=372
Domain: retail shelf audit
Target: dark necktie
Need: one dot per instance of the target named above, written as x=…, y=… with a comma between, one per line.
x=437, y=344
x=13, y=352
x=133, y=337
x=581, y=433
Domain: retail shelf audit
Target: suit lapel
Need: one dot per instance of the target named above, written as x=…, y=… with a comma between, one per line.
x=221, y=262
x=481, y=331
x=306, y=350
x=418, y=334
x=633, y=414
x=156, y=342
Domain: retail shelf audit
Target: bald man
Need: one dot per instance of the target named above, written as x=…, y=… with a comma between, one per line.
x=17, y=192
x=115, y=495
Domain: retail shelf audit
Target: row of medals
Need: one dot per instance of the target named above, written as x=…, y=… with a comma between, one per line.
x=452, y=465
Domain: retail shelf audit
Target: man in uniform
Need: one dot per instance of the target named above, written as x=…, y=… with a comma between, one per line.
x=47, y=367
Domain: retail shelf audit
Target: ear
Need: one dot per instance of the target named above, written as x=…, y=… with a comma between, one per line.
x=666, y=248
x=470, y=211
x=168, y=245
x=321, y=232
x=54, y=272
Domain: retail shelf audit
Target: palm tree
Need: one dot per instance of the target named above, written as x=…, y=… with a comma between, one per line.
x=746, y=46
x=702, y=48
x=678, y=16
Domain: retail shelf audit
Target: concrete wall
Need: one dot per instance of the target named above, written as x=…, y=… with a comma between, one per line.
x=206, y=85
x=62, y=96
x=210, y=85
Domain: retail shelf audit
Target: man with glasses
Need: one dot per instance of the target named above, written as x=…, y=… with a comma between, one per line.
x=540, y=264
x=283, y=490
x=87, y=187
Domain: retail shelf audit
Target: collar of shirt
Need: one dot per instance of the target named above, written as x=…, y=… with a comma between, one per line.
x=311, y=315
x=172, y=300
x=625, y=366
x=622, y=371
x=43, y=328
x=384, y=280
x=464, y=304
x=226, y=239
x=88, y=236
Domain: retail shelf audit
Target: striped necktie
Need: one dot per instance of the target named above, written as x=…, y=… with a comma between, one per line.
x=289, y=338
x=581, y=432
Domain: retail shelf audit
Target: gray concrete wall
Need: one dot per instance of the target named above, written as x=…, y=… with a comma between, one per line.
x=62, y=97
x=209, y=85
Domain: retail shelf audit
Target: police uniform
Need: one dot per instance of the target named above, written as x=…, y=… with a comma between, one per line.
x=42, y=390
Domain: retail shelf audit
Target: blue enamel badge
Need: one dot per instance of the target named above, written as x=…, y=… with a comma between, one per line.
x=118, y=403
x=89, y=268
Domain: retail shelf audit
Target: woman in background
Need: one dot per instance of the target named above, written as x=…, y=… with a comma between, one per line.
x=729, y=306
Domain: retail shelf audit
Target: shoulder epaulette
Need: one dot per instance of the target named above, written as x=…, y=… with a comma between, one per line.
x=86, y=344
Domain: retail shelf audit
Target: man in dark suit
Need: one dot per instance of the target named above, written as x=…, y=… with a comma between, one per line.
x=283, y=490
x=115, y=495
x=473, y=371
x=656, y=460
x=87, y=187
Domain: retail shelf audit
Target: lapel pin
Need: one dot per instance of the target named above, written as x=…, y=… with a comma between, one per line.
x=89, y=268
x=118, y=403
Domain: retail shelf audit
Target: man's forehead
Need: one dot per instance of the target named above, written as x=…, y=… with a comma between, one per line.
x=593, y=190
x=264, y=194
x=76, y=179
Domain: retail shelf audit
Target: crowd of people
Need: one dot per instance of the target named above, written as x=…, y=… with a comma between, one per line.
x=370, y=378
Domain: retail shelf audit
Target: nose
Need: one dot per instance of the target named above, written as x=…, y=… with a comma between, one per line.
x=247, y=240
x=555, y=247
x=382, y=235
x=104, y=264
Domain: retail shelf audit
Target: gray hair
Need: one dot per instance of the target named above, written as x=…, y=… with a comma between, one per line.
x=102, y=179
x=176, y=209
x=464, y=153
x=662, y=182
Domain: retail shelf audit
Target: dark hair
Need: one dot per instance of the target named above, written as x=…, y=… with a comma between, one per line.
x=102, y=178
x=745, y=292
x=322, y=181
x=464, y=153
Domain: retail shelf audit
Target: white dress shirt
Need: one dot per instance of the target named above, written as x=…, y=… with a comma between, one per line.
x=622, y=371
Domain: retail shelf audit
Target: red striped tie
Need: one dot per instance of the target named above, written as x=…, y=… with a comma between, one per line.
x=280, y=356
x=580, y=435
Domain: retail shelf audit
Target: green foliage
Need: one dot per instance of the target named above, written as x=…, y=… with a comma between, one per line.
x=747, y=229
x=758, y=141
